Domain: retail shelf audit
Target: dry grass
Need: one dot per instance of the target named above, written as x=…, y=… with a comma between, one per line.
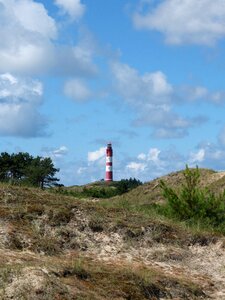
x=122, y=281
x=150, y=192
x=78, y=277
x=62, y=236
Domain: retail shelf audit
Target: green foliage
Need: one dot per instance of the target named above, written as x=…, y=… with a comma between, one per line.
x=40, y=172
x=102, y=191
x=23, y=168
x=125, y=185
x=194, y=204
x=12, y=166
x=92, y=192
x=96, y=192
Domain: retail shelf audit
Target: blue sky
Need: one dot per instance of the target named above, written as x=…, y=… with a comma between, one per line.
x=146, y=75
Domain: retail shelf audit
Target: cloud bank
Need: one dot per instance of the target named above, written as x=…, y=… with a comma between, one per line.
x=153, y=98
x=74, y=8
x=30, y=47
x=183, y=22
x=20, y=100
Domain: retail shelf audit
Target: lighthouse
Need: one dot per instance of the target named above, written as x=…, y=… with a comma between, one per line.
x=109, y=166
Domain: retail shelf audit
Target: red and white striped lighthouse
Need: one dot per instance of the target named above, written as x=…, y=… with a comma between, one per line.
x=109, y=165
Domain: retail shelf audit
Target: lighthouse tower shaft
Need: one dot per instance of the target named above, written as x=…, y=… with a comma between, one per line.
x=109, y=163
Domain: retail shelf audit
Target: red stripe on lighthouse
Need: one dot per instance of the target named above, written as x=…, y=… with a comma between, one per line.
x=109, y=165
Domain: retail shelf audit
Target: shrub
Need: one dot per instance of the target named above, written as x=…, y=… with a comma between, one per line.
x=77, y=269
x=60, y=216
x=193, y=203
x=125, y=185
x=48, y=245
x=96, y=224
x=101, y=191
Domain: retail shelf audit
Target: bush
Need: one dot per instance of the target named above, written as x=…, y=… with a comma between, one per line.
x=102, y=191
x=77, y=269
x=193, y=203
x=125, y=185
x=96, y=192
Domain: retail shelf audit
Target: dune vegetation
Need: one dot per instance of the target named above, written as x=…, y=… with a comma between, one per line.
x=147, y=243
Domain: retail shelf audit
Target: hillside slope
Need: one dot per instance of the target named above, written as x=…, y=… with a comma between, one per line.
x=58, y=247
x=151, y=192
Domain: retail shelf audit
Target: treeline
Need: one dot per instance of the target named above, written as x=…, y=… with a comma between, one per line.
x=125, y=185
x=23, y=168
x=120, y=187
x=102, y=191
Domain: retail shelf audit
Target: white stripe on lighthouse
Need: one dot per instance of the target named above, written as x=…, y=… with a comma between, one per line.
x=108, y=168
x=109, y=159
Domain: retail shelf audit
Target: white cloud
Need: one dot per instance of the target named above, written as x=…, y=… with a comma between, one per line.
x=197, y=92
x=184, y=22
x=74, y=8
x=96, y=155
x=208, y=155
x=198, y=156
x=23, y=37
x=142, y=156
x=218, y=97
x=152, y=87
x=28, y=14
x=81, y=170
x=61, y=151
x=201, y=93
x=29, y=44
x=19, y=102
x=154, y=154
x=16, y=88
x=154, y=163
x=77, y=90
x=56, y=154
x=152, y=97
x=136, y=167
x=7, y=76
x=151, y=157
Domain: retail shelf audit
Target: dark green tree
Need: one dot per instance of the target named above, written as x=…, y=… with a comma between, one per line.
x=6, y=166
x=125, y=185
x=24, y=168
x=41, y=172
x=20, y=162
x=12, y=167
